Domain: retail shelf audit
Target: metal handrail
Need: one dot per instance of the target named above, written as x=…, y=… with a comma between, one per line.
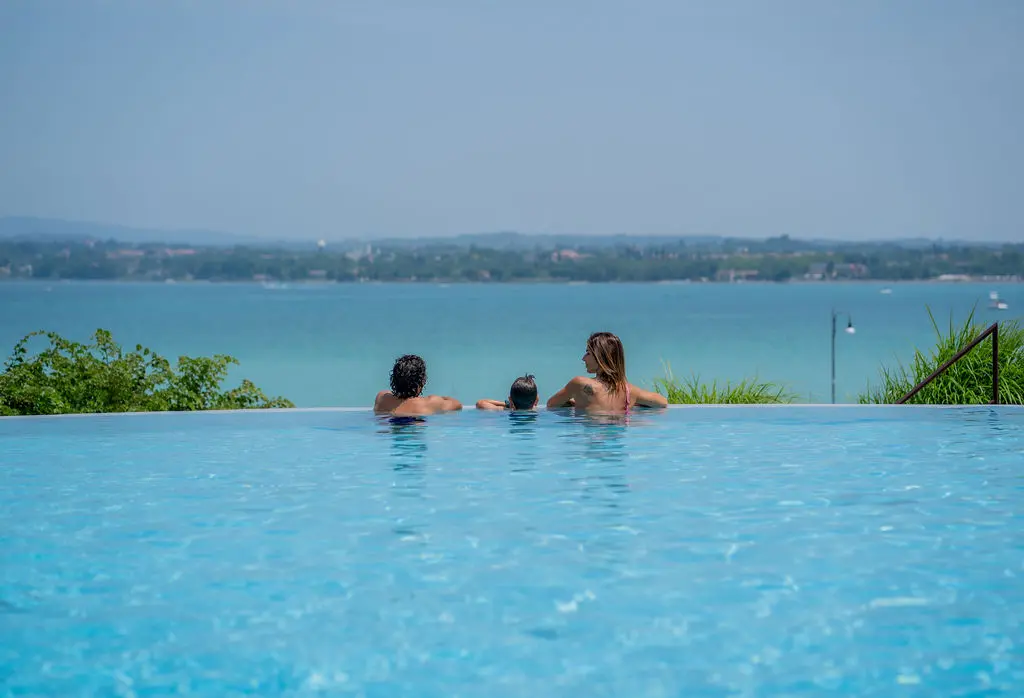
x=993, y=330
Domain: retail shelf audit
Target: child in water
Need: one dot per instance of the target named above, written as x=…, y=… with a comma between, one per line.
x=521, y=396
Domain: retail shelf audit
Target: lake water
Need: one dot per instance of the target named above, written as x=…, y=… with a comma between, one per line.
x=325, y=345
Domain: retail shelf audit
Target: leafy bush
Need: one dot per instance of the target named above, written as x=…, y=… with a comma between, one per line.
x=691, y=391
x=969, y=380
x=69, y=377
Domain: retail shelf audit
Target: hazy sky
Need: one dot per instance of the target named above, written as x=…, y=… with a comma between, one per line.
x=827, y=118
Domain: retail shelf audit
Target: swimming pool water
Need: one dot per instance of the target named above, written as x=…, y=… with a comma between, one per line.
x=868, y=551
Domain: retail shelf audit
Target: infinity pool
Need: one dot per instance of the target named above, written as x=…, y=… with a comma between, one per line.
x=798, y=551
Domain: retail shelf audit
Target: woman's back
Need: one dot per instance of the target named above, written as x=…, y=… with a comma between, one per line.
x=595, y=396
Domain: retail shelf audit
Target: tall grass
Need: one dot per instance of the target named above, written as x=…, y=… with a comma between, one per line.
x=969, y=380
x=691, y=391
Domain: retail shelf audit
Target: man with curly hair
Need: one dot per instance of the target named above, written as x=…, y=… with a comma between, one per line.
x=408, y=378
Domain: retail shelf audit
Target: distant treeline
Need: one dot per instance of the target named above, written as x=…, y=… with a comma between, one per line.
x=776, y=259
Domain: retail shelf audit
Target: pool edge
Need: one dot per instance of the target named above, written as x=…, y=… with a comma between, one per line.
x=330, y=410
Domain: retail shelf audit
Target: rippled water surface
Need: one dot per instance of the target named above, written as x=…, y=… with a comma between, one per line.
x=691, y=552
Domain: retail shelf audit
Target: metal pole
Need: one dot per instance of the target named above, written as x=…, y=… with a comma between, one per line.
x=995, y=365
x=833, y=357
x=992, y=330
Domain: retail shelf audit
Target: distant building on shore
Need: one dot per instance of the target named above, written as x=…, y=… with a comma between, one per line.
x=736, y=275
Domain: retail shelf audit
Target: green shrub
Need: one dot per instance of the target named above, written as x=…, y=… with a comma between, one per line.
x=747, y=392
x=969, y=380
x=69, y=377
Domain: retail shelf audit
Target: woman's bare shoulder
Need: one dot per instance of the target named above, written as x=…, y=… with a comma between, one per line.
x=647, y=398
x=584, y=383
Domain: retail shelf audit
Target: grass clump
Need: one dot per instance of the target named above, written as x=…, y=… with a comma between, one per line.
x=691, y=391
x=966, y=382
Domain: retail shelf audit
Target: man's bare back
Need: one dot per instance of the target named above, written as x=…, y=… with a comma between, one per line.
x=387, y=403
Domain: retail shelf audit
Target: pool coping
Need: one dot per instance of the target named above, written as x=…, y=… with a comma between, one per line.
x=329, y=410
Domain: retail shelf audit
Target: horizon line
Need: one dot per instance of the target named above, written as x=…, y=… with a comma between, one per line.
x=499, y=232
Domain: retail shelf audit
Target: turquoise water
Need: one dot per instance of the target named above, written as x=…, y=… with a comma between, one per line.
x=333, y=345
x=691, y=552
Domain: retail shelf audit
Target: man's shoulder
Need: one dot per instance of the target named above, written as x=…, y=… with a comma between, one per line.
x=420, y=405
x=422, y=400
x=384, y=398
x=441, y=403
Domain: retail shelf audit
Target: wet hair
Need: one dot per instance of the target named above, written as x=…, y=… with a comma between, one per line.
x=523, y=393
x=607, y=351
x=408, y=376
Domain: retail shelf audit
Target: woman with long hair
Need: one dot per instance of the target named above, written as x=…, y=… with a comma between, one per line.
x=608, y=390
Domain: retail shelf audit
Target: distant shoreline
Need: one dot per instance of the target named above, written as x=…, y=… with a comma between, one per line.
x=775, y=260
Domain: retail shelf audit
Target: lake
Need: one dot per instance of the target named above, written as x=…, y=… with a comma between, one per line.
x=333, y=344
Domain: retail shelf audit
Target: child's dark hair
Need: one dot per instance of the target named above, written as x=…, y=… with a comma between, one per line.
x=523, y=393
x=408, y=377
